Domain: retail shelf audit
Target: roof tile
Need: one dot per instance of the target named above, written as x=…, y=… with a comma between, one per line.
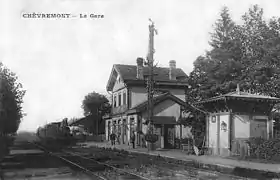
x=128, y=72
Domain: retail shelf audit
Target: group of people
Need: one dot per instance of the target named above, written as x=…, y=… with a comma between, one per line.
x=114, y=138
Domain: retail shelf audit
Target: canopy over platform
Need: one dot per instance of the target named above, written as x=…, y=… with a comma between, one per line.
x=241, y=96
x=239, y=102
x=164, y=120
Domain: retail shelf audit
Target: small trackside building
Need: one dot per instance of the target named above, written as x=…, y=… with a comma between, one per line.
x=234, y=118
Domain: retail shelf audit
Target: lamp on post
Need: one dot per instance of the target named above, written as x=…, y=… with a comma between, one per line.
x=151, y=138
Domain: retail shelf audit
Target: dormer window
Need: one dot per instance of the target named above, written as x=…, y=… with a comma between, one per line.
x=118, y=79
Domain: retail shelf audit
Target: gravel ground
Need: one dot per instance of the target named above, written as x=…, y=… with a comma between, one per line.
x=148, y=166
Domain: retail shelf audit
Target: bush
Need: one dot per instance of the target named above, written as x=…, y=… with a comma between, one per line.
x=264, y=149
x=5, y=141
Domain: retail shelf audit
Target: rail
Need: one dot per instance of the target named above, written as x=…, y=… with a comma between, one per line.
x=92, y=167
x=136, y=176
x=184, y=170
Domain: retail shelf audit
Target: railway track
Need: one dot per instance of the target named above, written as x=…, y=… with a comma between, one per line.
x=104, y=171
x=183, y=170
x=178, y=170
x=96, y=169
x=134, y=175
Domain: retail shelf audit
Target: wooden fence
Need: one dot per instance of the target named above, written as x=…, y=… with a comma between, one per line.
x=240, y=147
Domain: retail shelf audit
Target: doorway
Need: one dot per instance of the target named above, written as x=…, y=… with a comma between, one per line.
x=109, y=130
x=124, y=133
x=169, y=133
x=213, y=134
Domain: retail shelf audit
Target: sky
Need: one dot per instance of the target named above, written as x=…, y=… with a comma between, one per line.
x=59, y=61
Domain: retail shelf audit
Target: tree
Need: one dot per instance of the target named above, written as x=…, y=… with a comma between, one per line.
x=200, y=84
x=11, y=100
x=216, y=73
x=96, y=104
x=226, y=54
x=246, y=54
x=195, y=120
x=223, y=30
x=261, y=41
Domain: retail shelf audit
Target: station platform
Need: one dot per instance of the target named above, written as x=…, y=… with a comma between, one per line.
x=223, y=164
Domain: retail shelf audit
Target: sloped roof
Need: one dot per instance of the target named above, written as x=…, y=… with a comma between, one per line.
x=129, y=73
x=79, y=120
x=76, y=121
x=241, y=95
x=157, y=99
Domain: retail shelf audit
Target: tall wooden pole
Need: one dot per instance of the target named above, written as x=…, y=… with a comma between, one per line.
x=97, y=122
x=150, y=84
x=2, y=111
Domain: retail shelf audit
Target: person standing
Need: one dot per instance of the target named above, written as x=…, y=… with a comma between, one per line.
x=143, y=141
x=113, y=138
x=132, y=139
x=119, y=138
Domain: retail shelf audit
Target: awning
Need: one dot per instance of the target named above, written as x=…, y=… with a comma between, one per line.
x=164, y=120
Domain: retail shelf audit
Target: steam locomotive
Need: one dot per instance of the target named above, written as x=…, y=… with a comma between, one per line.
x=53, y=130
x=55, y=133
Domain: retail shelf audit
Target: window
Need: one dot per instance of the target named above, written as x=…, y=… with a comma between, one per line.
x=120, y=99
x=115, y=101
x=124, y=98
x=118, y=79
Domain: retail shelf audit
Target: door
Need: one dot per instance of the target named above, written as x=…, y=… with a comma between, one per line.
x=213, y=134
x=109, y=129
x=132, y=126
x=124, y=131
x=157, y=131
x=224, y=134
x=138, y=130
x=114, y=127
x=168, y=136
x=258, y=128
x=119, y=134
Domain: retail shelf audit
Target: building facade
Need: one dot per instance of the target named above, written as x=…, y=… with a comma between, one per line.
x=92, y=124
x=235, y=117
x=127, y=86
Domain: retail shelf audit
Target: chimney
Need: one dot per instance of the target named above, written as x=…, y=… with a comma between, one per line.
x=140, y=74
x=172, y=67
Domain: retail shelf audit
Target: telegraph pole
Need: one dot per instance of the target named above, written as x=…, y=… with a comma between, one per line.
x=150, y=84
x=2, y=111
